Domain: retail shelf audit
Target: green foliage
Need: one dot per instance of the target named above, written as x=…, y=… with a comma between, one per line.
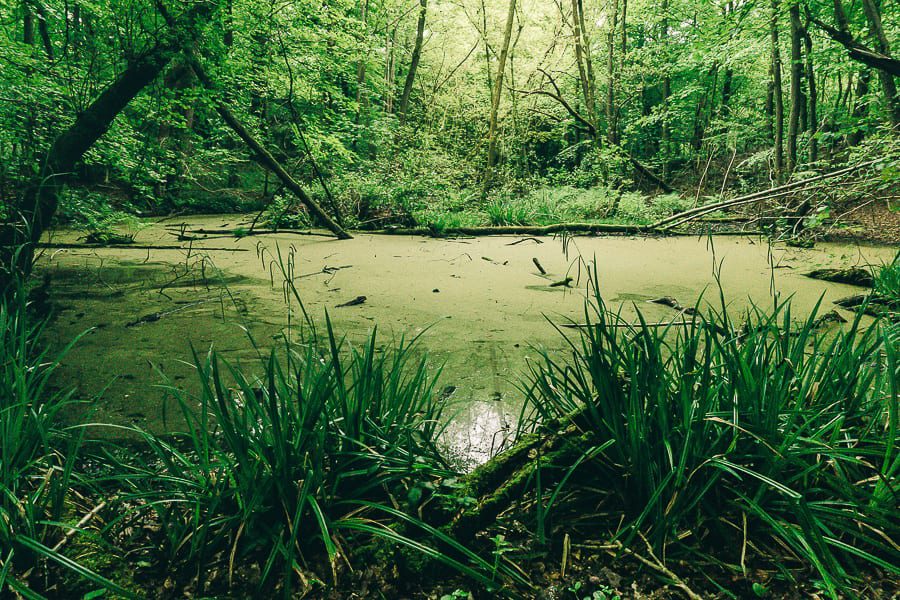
x=282, y=213
x=269, y=462
x=887, y=280
x=635, y=208
x=38, y=455
x=699, y=427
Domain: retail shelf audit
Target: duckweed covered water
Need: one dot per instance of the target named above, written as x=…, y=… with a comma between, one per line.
x=481, y=306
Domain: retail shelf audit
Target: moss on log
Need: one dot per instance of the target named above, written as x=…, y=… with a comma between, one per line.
x=851, y=276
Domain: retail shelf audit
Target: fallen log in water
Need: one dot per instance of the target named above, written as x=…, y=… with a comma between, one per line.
x=537, y=230
x=873, y=304
x=851, y=276
x=65, y=246
x=249, y=232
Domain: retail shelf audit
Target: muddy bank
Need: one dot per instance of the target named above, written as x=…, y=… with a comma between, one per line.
x=481, y=305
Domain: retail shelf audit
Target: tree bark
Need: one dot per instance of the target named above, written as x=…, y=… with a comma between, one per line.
x=497, y=93
x=414, y=61
x=796, y=85
x=778, y=94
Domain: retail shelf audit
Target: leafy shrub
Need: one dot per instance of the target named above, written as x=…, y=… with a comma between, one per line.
x=635, y=208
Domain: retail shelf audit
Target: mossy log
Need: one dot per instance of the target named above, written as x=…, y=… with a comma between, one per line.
x=540, y=230
x=851, y=276
x=497, y=484
x=873, y=304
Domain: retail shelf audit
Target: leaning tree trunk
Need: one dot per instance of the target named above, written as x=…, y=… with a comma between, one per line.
x=264, y=156
x=33, y=214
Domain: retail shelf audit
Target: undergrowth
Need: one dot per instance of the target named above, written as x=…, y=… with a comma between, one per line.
x=739, y=444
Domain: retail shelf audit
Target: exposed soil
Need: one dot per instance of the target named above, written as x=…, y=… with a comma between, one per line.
x=877, y=221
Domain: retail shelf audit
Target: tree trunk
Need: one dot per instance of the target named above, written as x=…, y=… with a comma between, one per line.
x=727, y=90
x=666, y=89
x=228, y=36
x=611, y=125
x=796, y=85
x=813, y=99
x=414, y=61
x=43, y=28
x=266, y=157
x=498, y=89
x=389, y=69
x=888, y=87
x=361, y=79
x=38, y=205
x=778, y=93
x=583, y=60
x=860, y=107
x=27, y=25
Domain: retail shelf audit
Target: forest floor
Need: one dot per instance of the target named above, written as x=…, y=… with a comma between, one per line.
x=877, y=221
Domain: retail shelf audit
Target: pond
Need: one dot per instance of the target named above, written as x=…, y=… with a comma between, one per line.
x=480, y=306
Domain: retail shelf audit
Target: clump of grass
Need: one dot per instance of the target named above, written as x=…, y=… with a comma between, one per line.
x=762, y=432
x=547, y=205
x=275, y=469
x=38, y=455
x=502, y=212
x=887, y=280
x=440, y=222
x=635, y=208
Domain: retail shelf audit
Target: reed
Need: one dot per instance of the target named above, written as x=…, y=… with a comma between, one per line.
x=734, y=441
